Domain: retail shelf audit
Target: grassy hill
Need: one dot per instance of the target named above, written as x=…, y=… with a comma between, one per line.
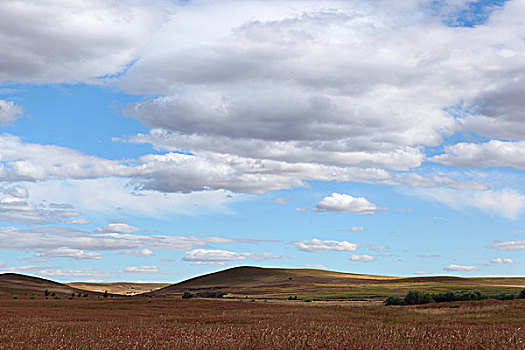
x=22, y=285
x=120, y=288
x=321, y=284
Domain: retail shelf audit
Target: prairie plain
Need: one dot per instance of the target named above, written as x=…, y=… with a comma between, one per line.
x=175, y=323
x=333, y=311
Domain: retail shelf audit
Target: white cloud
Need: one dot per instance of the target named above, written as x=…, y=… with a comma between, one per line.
x=140, y=269
x=64, y=252
x=28, y=268
x=509, y=245
x=75, y=273
x=453, y=267
x=344, y=203
x=206, y=255
x=117, y=228
x=489, y=154
x=66, y=241
x=20, y=210
x=209, y=263
x=9, y=112
x=362, y=258
x=139, y=253
x=352, y=229
x=78, y=222
x=51, y=41
x=502, y=261
x=334, y=108
x=16, y=191
x=507, y=202
x=316, y=266
x=316, y=245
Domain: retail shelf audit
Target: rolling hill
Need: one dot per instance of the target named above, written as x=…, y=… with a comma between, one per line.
x=17, y=284
x=260, y=282
x=120, y=288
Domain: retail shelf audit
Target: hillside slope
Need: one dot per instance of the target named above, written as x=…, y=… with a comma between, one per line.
x=17, y=284
x=260, y=282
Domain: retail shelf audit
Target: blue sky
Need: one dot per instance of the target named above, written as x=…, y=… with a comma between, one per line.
x=156, y=141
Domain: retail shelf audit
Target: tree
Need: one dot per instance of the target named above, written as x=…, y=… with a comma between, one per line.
x=106, y=294
x=187, y=295
x=47, y=292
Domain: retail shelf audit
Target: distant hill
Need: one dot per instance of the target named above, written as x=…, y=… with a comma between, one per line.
x=120, y=288
x=17, y=284
x=322, y=284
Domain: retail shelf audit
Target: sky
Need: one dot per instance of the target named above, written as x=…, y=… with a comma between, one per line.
x=161, y=140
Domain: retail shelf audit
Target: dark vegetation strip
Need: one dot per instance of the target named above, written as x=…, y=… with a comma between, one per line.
x=415, y=297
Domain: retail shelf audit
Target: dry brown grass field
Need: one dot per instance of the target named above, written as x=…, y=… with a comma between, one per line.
x=174, y=323
x=121, y=288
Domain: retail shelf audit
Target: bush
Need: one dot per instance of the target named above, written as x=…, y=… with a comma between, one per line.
x=106, y=294
x=504, y=296
x=79, y=294
x=292, y=297
x=393, y=300
x=15, y=297
x=521, y=295
x=85, y=295
x=415, y=297
x=46, y=293
x=187, y=295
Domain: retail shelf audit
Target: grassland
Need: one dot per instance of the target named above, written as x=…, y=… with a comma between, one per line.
x=174, y=323
x=120, y=288
x=256, y=282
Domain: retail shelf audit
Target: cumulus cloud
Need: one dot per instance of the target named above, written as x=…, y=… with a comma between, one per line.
x=316, y=245
x=52, y=41
x=139, y=253
x=64, y=252
x=9, y=112
x=502, y=261
x=69, y=242
x=377, y=94
x=214, y=255
x=91, y=272
x=140, y=269
x=344, y=203
x=453, y=267
x=78, y=222
x=117, y=228
x=509, y=245
x=489, y=154
x=362, y=258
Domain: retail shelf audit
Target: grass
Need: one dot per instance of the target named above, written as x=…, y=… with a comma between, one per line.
x=169, y=323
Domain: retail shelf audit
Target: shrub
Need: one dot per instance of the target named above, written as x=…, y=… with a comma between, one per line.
x=47, y=292
x=79, y=294
x=15, y=297
x=32, y=297
x=85, y=295
x=521, y=295
x=187, y=295
x=106, y=294
x=415, y=297
x=504, y=296
x=292, y=297
x=393, y=300
x=53, y=294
